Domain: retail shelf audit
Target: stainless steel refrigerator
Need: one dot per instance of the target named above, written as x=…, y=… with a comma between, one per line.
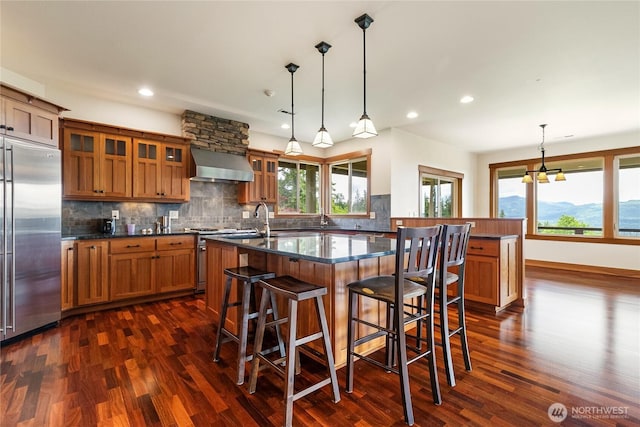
x=30, y=219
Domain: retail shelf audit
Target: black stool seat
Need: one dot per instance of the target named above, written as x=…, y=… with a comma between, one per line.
x=294, y=291
x=247, y=276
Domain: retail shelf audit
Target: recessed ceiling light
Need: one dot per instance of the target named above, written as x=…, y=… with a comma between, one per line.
x=285, y=126
x=145, y=91
x=353, y=124
x=412, y=115
x=466, y=99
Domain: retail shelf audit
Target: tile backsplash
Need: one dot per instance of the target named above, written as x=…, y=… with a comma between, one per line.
x=212, y=205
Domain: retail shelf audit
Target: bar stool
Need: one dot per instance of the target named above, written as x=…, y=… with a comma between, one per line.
x=248, y=276
x=294, y=291
x=453, y=253
x=407, y=303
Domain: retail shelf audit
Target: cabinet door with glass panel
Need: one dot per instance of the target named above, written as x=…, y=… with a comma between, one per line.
x=160, y=171
x=96, y=165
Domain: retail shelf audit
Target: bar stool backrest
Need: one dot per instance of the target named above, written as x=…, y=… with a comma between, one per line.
x=418, y=260
x=455, y=239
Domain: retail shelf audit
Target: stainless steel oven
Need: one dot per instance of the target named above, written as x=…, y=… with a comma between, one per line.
x=202, y=250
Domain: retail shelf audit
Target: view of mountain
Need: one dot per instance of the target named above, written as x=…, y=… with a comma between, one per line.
x=514, y=207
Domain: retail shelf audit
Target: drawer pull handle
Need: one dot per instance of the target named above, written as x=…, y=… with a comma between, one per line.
x=133, y=246
x=175, y=243
x=480, y=248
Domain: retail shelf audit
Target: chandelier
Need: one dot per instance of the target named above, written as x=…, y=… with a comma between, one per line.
x=542, y=172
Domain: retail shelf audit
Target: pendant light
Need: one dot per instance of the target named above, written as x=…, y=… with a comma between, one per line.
x=293, y=147
x=541, y=173
x=322, y=139
x=364, y=128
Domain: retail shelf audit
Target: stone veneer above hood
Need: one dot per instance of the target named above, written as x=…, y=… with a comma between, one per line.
x=216, y=134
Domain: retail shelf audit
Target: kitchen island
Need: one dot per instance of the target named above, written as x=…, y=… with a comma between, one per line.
x=336, y=258
x=328, y=259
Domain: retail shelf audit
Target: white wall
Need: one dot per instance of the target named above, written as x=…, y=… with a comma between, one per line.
x=410, y=151
x=83, y=107
x=381, y=152
x=600, y=254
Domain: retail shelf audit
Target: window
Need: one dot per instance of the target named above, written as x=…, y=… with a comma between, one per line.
x=298, y=187
x=512, y=195
x=306, y=184
x=600, y=199
x=628, y=196
x=439, y=193
x=349, y=186
x=574, y=206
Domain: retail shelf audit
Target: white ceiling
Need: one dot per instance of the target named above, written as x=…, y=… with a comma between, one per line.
x=574, y=65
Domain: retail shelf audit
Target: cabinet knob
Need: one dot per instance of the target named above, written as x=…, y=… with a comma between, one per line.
x=10, y=128
x=92, y=247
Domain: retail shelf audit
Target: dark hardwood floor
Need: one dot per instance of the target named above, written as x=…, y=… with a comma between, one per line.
x=576, y=344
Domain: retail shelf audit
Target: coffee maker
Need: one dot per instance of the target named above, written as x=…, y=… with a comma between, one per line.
x=109, y=226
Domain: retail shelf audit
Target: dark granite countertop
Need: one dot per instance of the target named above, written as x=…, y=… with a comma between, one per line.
x=93, y=236
x=324, y=247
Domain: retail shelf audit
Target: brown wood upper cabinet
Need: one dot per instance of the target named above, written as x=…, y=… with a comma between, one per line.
x=160, y=170
x=103, y=162
x=27, y=117
x=96, y=165
x=265, y=181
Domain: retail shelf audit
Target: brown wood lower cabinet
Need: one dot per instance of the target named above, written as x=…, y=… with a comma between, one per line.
x=132, y=262
x=67, y=279
x=175, y=264
x=491, y=271
x=118, y=270
x=92, y=268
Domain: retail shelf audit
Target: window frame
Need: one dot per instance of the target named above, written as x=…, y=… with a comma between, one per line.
x=455, y=177
x=609, y=205
x=325, y=182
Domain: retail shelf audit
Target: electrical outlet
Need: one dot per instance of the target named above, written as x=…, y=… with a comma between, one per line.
x=173, y=214
x=115, y=214
x=271, y=215
x=473, y=223
x=398, y=222
x=245, y=214
x=372, y=215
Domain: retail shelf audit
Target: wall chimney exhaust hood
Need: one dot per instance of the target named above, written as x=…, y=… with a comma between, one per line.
x=211, y=166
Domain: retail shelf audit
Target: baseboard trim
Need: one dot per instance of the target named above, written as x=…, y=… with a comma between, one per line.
x=620, y=272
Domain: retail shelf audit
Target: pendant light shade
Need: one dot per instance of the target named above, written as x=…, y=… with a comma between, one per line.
x=542, y=174
x=365, y=127
x=293, y=147
x=322, y=139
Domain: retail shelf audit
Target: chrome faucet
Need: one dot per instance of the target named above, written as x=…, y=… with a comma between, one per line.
x=267, y=230
x=323, y=219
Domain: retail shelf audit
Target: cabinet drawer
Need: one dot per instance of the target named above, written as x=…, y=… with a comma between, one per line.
x=483, y=247
x=134, y=244
x=176, y=242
